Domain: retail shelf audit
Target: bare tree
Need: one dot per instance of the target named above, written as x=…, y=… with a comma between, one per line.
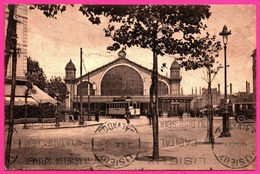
x=209, y=51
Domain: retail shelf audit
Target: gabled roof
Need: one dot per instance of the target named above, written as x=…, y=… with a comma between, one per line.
x=123, y=60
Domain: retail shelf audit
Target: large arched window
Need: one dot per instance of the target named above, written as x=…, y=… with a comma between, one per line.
x=84, y=87
x=162, y=88
x=122, y=81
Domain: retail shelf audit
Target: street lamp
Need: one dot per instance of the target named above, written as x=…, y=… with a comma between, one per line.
x=81, y=118
x=225, y=132
x=56, y=113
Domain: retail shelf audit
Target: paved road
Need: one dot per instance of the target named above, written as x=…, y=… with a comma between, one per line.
x=114, y=145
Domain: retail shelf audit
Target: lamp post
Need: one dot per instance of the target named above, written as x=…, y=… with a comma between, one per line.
x=56, y=113
x=225, y=132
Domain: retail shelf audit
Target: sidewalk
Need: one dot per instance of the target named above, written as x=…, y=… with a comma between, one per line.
x=75, y=124
x=64, y=124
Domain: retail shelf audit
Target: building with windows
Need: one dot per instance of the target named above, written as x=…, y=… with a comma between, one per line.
x=21, y=16
x=123, y=77
x=216, y=96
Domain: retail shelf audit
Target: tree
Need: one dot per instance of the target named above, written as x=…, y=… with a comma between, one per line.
x=56, y=85
x=35, y=73
x=164, y=29
x=209, y=51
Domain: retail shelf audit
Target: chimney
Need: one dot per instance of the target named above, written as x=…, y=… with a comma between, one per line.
x=247, y=87
x=230, y=88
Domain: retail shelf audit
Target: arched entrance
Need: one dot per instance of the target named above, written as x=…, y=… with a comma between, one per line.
x=83, y=86
x=162, y=88
x=122, y=81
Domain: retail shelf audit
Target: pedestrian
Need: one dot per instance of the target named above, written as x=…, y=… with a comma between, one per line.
x=149, y=117
x=181, y=114
x=97, y=116
x=160, y=113
x=127, y=115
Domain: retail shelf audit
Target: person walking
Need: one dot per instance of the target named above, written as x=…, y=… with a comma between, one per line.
x=127, y=115
x=149, y=117
x=97, y=116
x=181, y=114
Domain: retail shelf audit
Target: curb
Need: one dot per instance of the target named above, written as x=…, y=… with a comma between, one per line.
x=65, y=127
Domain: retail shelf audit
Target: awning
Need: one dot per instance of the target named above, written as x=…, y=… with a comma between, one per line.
x=39, y=97
x=42, y=97
x=18, y=101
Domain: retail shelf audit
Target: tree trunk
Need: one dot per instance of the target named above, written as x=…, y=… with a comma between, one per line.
x=210, y=137
x=13, y=38
x=155, y=105
x=155, y=110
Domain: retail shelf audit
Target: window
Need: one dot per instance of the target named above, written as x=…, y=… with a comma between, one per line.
x=84, y=87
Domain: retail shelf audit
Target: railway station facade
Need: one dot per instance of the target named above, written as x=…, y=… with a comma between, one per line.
x=123, y=78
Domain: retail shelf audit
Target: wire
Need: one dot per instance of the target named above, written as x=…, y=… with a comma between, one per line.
x=57, y=39
x=98, y=54
x=81, y=22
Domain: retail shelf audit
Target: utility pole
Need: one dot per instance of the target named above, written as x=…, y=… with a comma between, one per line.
x=13, y=41
x=81, y=119
x=89, y=118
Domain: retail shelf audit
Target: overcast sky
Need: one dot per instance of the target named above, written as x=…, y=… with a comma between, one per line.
x=53, y=42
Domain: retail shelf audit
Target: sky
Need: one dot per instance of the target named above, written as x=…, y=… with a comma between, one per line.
x=53, y=42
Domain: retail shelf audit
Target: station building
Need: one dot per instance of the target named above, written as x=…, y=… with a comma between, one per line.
x=123, y=78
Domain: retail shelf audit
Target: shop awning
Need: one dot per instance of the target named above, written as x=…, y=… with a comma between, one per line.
x=42, y=97
x=39, y=97
x=18, y=101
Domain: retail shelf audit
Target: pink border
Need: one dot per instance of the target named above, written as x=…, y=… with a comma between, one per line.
x=3, y=2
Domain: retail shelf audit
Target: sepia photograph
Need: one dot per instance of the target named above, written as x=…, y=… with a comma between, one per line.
x=129, y=87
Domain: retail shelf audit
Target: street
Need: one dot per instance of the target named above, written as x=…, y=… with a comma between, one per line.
x=115, y=145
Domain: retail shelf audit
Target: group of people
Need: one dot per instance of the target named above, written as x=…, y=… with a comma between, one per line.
x=74, y=115
x=127, y=116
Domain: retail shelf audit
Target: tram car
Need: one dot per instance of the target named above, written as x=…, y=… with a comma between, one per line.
x=117, y=108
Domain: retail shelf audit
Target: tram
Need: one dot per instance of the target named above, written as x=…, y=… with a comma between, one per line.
x=117, y=108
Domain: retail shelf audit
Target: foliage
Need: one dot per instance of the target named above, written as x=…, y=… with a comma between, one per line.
x=35, y=74
x=169, y=27
x=204, y=55
x=175, y=25
x=209, y=51
x=56, y=86
x=50, y=10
